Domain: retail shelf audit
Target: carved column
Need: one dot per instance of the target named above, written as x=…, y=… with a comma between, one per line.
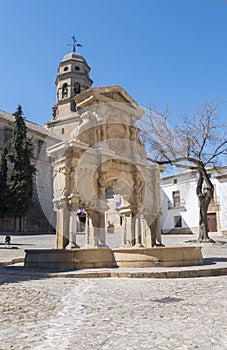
x=158, y=229
x=133, y=240
x=143, y=231
x=127, y=236
x=88, y=231
x=100, y=231
x=155, y=231
x=124, y=229
x=99, y=228
x=62, y=227
x=138, y=241
x=72, y=230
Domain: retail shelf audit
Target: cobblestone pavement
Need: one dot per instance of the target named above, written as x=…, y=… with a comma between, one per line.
x=109, y=314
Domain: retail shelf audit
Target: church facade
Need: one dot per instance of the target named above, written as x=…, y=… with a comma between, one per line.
x=36, y=220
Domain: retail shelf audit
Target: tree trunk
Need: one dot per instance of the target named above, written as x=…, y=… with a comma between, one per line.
x=203, y=223
x=20, y=224
x=204, y=196
x=15, y=224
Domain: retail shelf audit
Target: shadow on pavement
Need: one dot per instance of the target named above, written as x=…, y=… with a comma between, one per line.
x=15, y=274
x=213, y=260
x=27, y=233
x=14, y=246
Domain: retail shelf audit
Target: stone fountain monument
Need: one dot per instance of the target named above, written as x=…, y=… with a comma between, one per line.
x=105, y=155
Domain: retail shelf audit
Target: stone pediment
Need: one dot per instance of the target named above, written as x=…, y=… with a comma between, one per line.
x=105, y=94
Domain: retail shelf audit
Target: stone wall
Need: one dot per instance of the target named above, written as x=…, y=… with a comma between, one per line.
x=41, y=217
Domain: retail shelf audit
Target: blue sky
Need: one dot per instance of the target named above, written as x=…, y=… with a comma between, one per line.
x=161, y=51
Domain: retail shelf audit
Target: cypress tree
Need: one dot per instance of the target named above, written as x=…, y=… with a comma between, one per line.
x=21, y=179
x=4, y=195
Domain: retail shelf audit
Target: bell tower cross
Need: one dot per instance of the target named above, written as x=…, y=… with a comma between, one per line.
x=74, y=44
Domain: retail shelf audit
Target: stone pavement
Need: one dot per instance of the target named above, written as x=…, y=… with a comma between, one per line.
x=110, y=313
x=113, y=314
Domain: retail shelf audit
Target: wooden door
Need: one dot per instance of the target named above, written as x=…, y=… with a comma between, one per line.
x=212, y=222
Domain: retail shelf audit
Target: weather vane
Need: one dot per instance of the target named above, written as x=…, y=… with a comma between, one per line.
x=74, y=44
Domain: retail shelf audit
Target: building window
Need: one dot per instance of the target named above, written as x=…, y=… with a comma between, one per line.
x=176, y=199
x=177, y=221
x=64, y=90
x=65, y=69
x=77, y=88
x=62, y=131
x=77, y=68
x=175, y=181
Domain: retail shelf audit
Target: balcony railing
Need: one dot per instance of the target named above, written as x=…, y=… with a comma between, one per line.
x=176, y=205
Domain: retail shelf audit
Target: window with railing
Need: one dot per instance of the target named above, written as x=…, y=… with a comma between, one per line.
x=176, y=199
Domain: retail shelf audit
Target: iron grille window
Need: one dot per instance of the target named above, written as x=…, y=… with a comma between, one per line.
x=176, y=198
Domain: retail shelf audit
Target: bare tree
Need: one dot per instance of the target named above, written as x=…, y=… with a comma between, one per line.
x=197, y=143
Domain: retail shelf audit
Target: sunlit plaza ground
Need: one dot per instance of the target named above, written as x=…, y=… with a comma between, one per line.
x=110, y=313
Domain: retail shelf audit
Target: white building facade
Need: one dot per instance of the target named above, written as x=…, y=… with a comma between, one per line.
x=180, y=207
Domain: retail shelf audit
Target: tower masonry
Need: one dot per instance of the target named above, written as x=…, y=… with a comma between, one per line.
x=72, y=79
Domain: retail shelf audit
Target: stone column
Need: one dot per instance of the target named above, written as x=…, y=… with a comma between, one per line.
x=59, y=229
x=143, y=231
x=72, y=230
x=62, y=227
x=124, y=229
x=103, y=231
x=127, y=236
x=158, y=229
x=88, y=231
x=138, y=242
x=99, y=229
x=155, y=231
x=132, y=230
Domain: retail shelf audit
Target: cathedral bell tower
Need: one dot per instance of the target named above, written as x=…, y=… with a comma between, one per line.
x=72, y=79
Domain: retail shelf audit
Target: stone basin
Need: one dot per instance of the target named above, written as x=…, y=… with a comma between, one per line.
x=85, y=258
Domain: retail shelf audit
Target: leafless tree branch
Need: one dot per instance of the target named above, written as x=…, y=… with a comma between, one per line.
x=194, y=143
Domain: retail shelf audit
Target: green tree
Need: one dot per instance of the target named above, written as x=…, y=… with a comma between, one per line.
x=3, y=183
x=21, y=179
